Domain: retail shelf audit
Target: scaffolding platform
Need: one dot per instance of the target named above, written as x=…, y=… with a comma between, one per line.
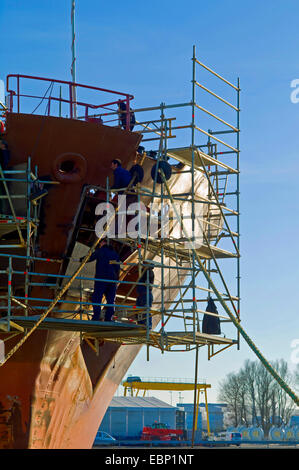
x=184, y=155
x=9, y=225
x=66, y=324
x=164, y=341
x=179, y=251
x=128, y=333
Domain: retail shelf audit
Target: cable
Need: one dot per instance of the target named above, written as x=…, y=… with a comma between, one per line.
x=51, y=85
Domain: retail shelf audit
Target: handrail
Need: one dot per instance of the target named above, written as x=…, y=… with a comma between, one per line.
x=122, y=97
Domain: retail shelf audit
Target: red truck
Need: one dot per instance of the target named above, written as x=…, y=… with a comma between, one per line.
x=160, y=432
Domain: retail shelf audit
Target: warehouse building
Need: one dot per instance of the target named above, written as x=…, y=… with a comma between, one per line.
x=188, y=409
x=126, y=416
x=216, y=412
x=216, y=416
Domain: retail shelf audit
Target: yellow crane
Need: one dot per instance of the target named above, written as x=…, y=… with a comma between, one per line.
x=135, y=384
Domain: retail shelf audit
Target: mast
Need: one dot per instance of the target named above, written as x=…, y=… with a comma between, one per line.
x=73, y=66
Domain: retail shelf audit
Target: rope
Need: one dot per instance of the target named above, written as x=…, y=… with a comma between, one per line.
x=50, y=86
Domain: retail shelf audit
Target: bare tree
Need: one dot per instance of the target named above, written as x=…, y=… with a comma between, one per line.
x=230, y=394
x=283, y=406
x=296, y=377
x=254, y=397
x=244, y=409
x=250, y=372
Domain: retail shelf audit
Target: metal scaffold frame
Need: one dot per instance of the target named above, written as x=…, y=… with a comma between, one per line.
x=202, y=267
x=163, y=128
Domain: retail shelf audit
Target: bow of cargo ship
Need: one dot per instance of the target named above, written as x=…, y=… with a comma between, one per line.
x=59, y=370
x=51, y=387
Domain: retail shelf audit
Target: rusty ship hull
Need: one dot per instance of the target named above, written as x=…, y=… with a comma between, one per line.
x=51, y=389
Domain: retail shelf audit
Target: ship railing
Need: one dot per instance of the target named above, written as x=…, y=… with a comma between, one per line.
x=16, y=94
x=147, y=126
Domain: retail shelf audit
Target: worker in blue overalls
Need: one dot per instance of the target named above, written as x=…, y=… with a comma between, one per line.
x=122, y=109
x=107, y=272
x=122, y=177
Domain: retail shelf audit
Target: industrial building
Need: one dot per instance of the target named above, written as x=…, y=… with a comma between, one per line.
x=215, y=416
x=188, y=409
x=126, y=416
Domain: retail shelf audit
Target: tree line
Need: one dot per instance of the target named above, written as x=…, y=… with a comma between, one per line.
x=254, y=397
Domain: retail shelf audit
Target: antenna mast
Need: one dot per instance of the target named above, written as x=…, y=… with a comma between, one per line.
x=73, y=66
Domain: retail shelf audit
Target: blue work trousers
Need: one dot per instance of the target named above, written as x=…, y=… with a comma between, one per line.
x=108, y=289
x=142, y=302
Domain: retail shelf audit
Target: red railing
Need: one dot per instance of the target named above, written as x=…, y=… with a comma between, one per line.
x=73, y=103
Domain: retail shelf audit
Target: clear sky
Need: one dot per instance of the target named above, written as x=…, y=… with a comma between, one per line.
x=145, y=49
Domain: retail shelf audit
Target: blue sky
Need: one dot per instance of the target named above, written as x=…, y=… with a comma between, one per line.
x=145, y=49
